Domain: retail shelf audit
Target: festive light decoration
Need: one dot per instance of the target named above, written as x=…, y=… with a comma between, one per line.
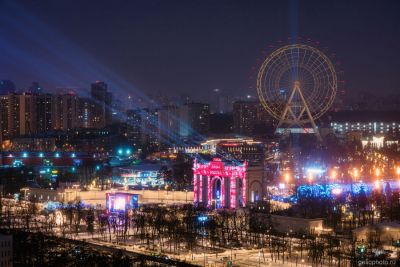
x=121, y=201
x=334, y=190
x=315, y=170
x=214, y=179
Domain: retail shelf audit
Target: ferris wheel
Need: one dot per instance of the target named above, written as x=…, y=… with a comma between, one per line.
x=296, y=85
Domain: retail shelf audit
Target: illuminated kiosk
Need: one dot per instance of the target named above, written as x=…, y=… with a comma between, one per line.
x=225, y=184
x=120, y=202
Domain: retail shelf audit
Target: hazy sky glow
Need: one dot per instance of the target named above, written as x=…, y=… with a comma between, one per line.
x=190, y=47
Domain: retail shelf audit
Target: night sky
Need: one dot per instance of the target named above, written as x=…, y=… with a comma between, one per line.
x=190, y=47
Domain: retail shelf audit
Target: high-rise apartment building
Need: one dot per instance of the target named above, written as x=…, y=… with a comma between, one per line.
x=194, y=119
x=3, y=117
x=150, y=127
x=65, y=111
x=247, y=116
x=13, y=114
x=84, y=115
x=44, y=111
x=244, y=117
x=169, y=124
x=134, y=128
x=27, y=114
x=101, y=113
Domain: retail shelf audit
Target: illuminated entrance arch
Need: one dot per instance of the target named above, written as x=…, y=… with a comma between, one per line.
x=216, y=192
x=219, y=184
x=240, y=192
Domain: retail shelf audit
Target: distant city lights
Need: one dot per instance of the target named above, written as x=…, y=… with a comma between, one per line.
x=315, y=170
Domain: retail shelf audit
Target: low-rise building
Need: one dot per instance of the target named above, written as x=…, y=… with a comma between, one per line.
x=386, y=233
x=98, y=197
x=288, y=224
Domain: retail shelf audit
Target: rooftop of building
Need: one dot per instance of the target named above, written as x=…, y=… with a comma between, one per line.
x=228, y=161
x=363, y=116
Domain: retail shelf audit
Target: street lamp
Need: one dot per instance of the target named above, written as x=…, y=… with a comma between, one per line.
x=377, y=184
x=333, y=174
x=398, y=171
x=186, y=195
x=377, y=172
x=355, y=173
x=287, y=177
x=310, y=177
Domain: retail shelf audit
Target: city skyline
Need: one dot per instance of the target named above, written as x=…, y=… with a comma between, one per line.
x=199, y=133
x=143, y=48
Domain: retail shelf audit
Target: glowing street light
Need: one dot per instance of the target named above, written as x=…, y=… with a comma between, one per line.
x=333, y=174
x=310, y=177
x=398, y=171
x=377, y=172
x=355, y=173
x=287, y=177
x=377, y=184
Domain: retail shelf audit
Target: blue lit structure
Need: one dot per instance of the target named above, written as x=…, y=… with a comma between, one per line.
x=202, y=218
x=335, y=190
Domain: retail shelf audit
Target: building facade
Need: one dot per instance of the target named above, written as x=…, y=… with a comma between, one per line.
x=134, y=127
x=220, y=183
x=194, y=119
x=102, y=105
x=378, y=127
x=248, y=116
